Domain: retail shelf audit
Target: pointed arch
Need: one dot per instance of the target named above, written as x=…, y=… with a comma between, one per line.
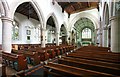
x=106, y=14
x=36, y=8
x=55, y=21
x=4, y=8
x=85, y=15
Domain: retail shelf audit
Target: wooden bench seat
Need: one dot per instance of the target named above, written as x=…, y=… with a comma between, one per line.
x=43, y=54
x=70, y=71
x=90, y=66
x=91, y=57
x=32, y=57
x=19, y=62
x=94, y=48
x=51, y=53
x=99, y=54
x=108, y=64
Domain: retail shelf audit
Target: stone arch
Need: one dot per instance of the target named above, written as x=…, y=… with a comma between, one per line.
x=91, y=25
x=64, y=25
x=65, y=29
x=82, y=24
x=63, y=34
x=4, y=8
x=36, y=8
x=86, y=15
x=106, y=13
x=55, y=21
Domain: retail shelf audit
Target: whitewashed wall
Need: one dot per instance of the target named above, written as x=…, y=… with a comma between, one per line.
x=24, y=25
x=45, y=9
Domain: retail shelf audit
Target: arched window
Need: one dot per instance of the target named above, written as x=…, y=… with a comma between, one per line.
x=86, y=33
x=15, y=31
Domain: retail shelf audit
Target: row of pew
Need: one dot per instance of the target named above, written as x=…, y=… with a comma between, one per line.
x=19, y=59
x=88, y=61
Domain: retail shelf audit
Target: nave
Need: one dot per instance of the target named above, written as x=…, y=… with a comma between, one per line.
x=63, y=61
x=59, y=38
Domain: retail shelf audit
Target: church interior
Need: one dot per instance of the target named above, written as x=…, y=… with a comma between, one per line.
x=59, y=38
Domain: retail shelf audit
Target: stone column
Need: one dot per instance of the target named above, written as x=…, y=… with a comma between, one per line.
x=43, y=37
x=115, y=33
x=99, y=37
x=105, y=37
x=57, y=39
x=6, y=34
x=95, y=37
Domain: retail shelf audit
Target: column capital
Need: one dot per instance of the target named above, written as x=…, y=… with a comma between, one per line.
x=114, y=18
x=4, y=18
x=98, y=29
x=105, y=28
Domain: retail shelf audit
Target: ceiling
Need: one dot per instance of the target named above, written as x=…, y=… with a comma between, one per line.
x=70, y=7
x=74, y=7
x=27, y=10
x=83, y=23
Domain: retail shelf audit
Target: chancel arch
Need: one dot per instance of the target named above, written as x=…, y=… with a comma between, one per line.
x=85, y=32
x=94, y=19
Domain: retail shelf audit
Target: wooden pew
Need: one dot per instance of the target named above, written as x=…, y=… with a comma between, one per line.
x=100, y=54
x=87, y=48
x=33, y=57
x=70, y=71
x=107, y=64
x=93, y=57
x=57, y=51
x=51, y=53
x=90, y=66
x=43, y=54
x=19, y=59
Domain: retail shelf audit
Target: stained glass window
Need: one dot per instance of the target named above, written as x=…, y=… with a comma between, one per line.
x=86, y=33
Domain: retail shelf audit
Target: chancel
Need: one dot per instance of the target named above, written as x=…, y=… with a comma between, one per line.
x=59, y=38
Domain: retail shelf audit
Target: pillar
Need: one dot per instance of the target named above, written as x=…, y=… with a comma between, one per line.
x=99, y=37
x=95, y=37
x=43, y=37
x=105, y=37
x=57, y=39
x=115, y=33
x=6, y=34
